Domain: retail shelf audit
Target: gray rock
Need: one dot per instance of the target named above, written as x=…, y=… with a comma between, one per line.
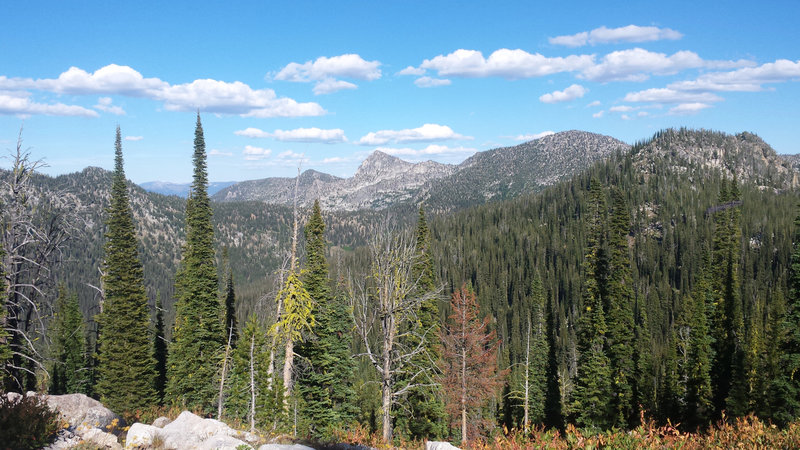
x=141, y=435
x=65, y=439
x=84, y=413
x=438, y=445
x=101, y=439
x=222, y=443
x=161, y=422
x=188, y=431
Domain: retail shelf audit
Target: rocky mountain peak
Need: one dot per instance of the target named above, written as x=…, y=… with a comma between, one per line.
x=379, y=165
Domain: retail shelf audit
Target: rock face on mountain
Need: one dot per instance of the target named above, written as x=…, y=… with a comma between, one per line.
x=380, y=181
x=383, y=180
x=744, y=156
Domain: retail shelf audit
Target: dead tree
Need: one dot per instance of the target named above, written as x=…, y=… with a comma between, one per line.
x=384, y=307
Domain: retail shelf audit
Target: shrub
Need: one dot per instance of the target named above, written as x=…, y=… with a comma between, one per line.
x=26, y=423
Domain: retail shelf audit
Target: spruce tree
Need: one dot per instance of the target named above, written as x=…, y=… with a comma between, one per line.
x=591, y=403
x=326, y=385
x=69, y=373
x=248, y=397
x=425, y=415
x=698, y=406
x=230, y=299
x=786, y=389
x=619, y=339
x=198, y=337
x=126, y=369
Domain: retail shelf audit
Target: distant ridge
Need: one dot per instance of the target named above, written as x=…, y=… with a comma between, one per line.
x=182, y=189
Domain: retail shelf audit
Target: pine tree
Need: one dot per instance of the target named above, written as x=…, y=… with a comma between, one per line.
x=533, y=382
x=591, y=400
x=698, y=406
x=786, y=388
x=471, y=378
x=230, y=299
x=68, y=330
x=643, y=366
x=326, y=386
x=424, y=415
x=198, y=337
x=126, y=369
x=160, y=351
x=619, y=339
x=5, y=348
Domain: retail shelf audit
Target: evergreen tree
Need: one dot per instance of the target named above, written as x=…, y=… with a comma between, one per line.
x=698, y=405
x=591, y=399
x=533, y=382
x=248, y=397
x=160, y=351
x=424, y=416
x=326, y=386
x=5, y=349
x=643, y=366
x=230, y=299
x=198, y=337
x=786, y=389
x=126, y=369
x=69, y=373
x=619, y=339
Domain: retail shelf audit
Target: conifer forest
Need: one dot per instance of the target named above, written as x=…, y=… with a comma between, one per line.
x=649, y=291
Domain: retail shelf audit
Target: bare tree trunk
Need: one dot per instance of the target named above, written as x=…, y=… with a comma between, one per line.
x=386, y=384
x=288, y=365
x=526, y=419
x=220, y=401
x=252, y=385
x=464, y=397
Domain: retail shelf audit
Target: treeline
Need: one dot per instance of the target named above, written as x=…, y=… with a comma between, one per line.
x=642, y=287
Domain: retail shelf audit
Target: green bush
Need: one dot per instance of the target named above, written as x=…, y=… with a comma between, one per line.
x=26, y=423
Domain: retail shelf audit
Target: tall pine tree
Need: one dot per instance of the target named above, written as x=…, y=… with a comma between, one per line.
x=126, y=369
x=326, y=385
x=160, y=351
x=198, y=337
x=424, y=415
x=230, y=300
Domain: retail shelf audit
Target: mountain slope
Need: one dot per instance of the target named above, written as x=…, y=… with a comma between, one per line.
x=182, y=189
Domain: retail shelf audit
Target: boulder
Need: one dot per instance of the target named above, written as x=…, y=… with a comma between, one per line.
x=438, y=445
x=161, y=422
x=101, y=439
x=84, y=413
x=188, y=431
x=284, y=447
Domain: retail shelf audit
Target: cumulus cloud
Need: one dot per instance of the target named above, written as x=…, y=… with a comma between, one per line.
x=568, y=94
x=19, y=103
x=215, y=152
x=603, y=35
x=598, y=114
x=134, y=138
x=622, y=108
x=426, y=82
x=290, y=155
x=642, y=114
x=747, y=79
x=411, y=70
x=204, y=94
x=330, y=85
x=638, y=64
x=688, y=108
x=428, y=132
x=666, y=95
x=430, y=150
x=330, y=136
x=255, y=153
x=531, y=137
x=504, y=63
x=105, y=104
x=594, y=103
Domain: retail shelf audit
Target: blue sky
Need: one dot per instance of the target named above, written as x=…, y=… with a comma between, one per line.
x=329, y=82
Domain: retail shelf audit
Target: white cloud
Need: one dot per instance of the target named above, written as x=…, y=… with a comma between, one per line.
x=642, y=114
x=425, y=82
x=431, y=150
x=637, y=64
x=531, y=137
x=747, y=79
x=134, y=138
x=105, y=104
x=348, y=66
x=19, y=103
x=598, y=114
x=290, y=155
x=594, y=103
x=297, y=135
x=252, y=133
x=335, y=160
x=330, y=85
x=215, y=152
x=205, y=94
x=411, y=70
x=428, y=132
x=666, y=95
x=622, y=108
x=688, y=108
x=603, y=35
x=255, y=153
x=625, y=117
x=505, y=63
x=568, y=94
x=311, y=135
